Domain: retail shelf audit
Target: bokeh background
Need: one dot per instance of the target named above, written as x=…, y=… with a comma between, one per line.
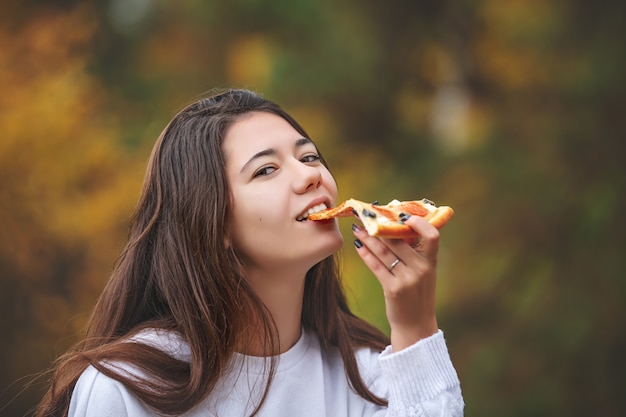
x=510, y=111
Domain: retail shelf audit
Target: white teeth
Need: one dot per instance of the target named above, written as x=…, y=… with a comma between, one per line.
x=312, y=210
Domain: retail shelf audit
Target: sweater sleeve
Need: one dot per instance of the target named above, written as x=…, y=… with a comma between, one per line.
x=97, y=395
x=421, y=380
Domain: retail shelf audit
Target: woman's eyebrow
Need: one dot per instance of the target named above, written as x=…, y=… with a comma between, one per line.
x=260, y=154
x=303, y=141
x=271, y=151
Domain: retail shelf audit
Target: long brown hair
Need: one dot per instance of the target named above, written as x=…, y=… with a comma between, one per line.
x=176, y=273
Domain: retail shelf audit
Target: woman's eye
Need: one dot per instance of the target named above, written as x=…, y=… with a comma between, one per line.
x=310, y=158
x=264, y=171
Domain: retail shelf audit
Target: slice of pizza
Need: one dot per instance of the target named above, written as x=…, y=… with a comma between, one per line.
x=386, y=220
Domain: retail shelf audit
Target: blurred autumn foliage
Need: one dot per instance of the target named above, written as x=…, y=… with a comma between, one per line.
x=510, y=111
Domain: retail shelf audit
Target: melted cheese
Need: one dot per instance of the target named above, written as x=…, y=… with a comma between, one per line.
x=425, y=203
x=383, y=220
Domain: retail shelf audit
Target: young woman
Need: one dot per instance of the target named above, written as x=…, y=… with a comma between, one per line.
x=227, y=302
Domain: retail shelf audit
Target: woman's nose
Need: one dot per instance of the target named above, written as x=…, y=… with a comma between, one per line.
x=309, y=178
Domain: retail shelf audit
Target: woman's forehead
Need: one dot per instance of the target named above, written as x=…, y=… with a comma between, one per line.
x=258, y=132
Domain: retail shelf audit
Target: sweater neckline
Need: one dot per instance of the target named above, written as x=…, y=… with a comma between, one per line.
x=285, y=360
x=173, y=344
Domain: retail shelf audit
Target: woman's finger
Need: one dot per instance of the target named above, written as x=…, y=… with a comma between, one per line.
x=378, y=256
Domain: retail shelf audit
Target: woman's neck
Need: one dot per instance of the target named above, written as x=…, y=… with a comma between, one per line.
x=282, y=293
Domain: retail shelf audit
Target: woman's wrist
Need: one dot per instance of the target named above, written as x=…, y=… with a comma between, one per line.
x=405, y=336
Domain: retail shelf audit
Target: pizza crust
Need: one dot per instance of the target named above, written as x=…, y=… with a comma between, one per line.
x=384, y=220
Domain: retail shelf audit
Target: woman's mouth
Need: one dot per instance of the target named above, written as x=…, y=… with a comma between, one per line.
x=312, y=210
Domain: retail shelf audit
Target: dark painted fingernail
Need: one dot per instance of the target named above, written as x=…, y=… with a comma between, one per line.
x=404, y=217
x=356, y=228
x=358, y=244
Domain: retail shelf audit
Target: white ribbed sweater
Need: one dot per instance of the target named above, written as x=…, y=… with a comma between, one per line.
x=418, y=381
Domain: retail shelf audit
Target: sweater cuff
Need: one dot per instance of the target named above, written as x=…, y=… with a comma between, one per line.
x=419, y=372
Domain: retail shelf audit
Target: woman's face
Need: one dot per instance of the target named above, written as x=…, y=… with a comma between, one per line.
x=275, y=177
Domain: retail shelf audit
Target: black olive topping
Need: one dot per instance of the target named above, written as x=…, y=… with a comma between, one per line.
x=368, y=213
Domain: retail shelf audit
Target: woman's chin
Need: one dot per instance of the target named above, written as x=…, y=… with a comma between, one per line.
x=333, y=246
